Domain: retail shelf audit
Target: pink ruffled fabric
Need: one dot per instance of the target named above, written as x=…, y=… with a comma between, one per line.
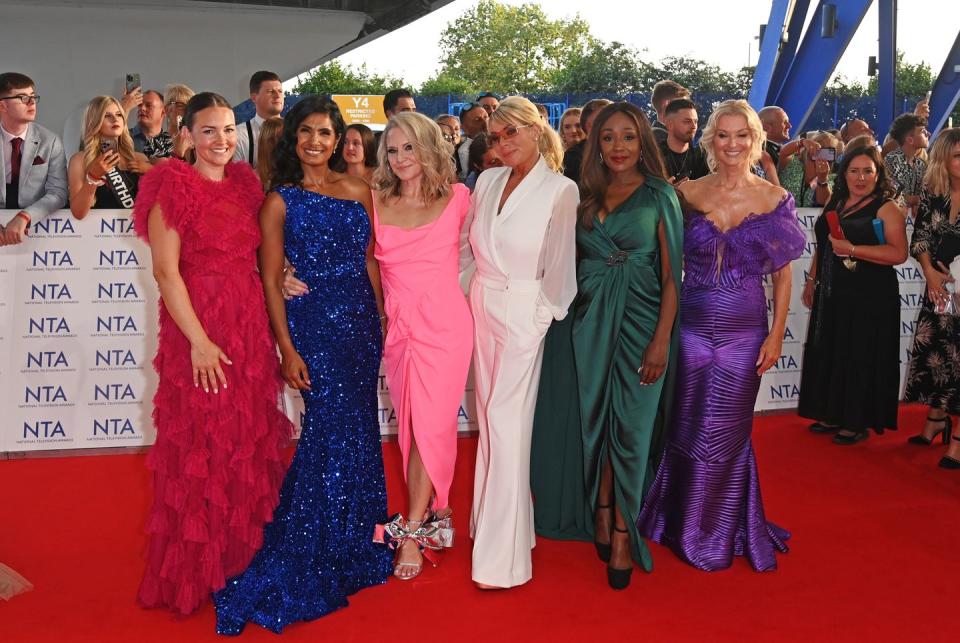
x=218, y=461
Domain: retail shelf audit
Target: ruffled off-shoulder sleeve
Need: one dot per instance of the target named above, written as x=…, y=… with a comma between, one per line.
x=165, y=185
x=781, y=239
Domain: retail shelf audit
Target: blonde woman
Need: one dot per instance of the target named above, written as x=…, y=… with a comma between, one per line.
x=106, y=171
x=175, y=100
x=418, y=215
x=522, y=239
x=705, y=501
x=270, y=133
x=570, y=131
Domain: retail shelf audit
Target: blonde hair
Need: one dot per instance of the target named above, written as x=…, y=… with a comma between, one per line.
x=177, y=94
x=519, y=112
x=733, y=108
x=937, y=179
x=434, y=154
x=270, y=133
x=93, y=121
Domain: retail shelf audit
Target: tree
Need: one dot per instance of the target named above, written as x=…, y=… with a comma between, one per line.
x=335, y=78
x=446, y=83
x=610, y=68
x=700, y=77
x=911, y=79
x=505, y=49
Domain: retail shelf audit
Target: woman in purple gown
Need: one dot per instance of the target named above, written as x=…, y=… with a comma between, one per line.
x=705, y=501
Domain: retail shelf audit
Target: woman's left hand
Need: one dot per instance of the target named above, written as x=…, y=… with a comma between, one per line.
x=841, y=247
x=769, y=352
x=654, y=362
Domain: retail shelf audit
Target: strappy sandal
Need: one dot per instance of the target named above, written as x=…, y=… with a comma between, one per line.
x=946, y=462
x=603, y=549
x=619, y=578
x=945, y=432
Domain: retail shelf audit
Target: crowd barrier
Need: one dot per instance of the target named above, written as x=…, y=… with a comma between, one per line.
x=78, y=331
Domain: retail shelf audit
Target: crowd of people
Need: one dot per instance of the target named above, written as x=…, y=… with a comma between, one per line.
x=616, y=322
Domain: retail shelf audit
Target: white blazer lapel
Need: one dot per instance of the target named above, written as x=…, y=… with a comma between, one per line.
x=526, y=187
x=492, y=198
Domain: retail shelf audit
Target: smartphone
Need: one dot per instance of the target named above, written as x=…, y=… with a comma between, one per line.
x=833, y=221
x=826, y=154
x=133, y=81
x=108, y=145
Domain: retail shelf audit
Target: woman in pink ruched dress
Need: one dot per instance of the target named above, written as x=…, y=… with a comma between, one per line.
x=418, y=216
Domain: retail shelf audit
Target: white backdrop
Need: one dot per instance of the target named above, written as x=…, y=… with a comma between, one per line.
x=78, y=328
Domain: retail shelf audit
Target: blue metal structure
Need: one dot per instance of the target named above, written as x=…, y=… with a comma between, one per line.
x=946, y=90
x=886, y=73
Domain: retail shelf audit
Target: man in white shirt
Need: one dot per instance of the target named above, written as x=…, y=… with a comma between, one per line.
x=473, y=119
x=266, y=92
x=32, y=160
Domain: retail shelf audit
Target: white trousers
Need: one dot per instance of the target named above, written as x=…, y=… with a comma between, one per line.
x=508, y=350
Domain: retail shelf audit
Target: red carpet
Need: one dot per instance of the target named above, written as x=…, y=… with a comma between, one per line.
x=875, y=557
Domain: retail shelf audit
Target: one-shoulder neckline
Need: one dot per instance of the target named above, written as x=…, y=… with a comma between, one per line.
x=325, y=196
x=751, y=216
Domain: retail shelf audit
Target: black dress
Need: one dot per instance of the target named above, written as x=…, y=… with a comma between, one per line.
x=851, y=367
x=934, y=374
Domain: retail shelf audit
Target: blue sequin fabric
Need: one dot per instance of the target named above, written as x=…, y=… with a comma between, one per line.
x=318, y=550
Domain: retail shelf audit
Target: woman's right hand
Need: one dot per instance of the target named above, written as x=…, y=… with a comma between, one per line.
x=105, y=162
x=292, y=287
x=205, y=357
x=294, y=371
x=806, y=297
x=937, y=280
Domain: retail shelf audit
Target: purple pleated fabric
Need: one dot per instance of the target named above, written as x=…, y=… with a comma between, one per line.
x=705, y=501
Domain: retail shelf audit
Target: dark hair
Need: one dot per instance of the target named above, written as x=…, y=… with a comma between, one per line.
x=677, y=104
x=261, y=77
x=156, y=93
x=200, y=102
x=487, y=95
x=591, y=107
x=904, y=124
x=479, y=146
x=468, y=108
x=393, y=97
x=369, y=142
x=11, y=80
x=841, y=191
x=594, y=176
x=665, y=90
x=286, y=163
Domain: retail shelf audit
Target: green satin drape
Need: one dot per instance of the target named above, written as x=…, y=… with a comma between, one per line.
x=619, y=279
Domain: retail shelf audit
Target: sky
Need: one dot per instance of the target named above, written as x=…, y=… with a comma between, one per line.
x=711, y=30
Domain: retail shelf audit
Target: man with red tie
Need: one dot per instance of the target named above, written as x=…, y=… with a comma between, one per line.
x=32, y=160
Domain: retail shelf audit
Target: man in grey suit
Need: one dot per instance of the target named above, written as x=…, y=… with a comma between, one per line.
x=32, y=160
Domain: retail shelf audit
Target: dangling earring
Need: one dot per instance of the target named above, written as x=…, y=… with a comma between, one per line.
x=602, y=162
x=640, y=160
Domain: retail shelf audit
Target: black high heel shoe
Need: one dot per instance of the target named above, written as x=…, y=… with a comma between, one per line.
x=603, y=549
x=620, y=578
x=946, y=462
x=945, y=432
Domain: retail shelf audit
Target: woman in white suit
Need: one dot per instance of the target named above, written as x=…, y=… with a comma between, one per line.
x=522, y=238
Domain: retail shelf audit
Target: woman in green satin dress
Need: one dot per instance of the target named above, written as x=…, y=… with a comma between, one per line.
x=629, y=241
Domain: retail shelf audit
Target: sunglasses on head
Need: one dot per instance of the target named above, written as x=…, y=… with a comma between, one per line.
x=505, y=134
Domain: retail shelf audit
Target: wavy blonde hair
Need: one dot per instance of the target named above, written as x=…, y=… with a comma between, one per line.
x=937, y=179
x=177, y=94
x=734, y=108
x=93, y=121
x=519, y=112
x=434, y=154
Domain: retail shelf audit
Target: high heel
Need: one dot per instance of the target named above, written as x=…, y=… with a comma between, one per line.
x=945, y=432
x=431, y=535
x=603, y=549
x=620, y=578
x=946, y=462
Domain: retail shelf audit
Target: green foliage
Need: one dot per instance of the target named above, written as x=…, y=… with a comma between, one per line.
x=446, y=83
x=335, y=78
x=912, y=79
x=609, y=68
x=700, y=77
x=506, y=49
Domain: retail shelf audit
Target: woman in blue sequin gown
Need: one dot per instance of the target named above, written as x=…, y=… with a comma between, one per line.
x=318, y=550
